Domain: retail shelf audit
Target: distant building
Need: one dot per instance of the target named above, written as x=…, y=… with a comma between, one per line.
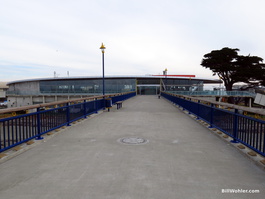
x=35, y=91
x=3, y=89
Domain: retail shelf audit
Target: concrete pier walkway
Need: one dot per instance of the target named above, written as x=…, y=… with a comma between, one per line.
x=180, y=159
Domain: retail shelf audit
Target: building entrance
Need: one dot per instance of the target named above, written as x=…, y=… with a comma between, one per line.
x=148, y=90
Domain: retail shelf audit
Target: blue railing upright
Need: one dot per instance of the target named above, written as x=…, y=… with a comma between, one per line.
x=246, y=130
x=19, y=129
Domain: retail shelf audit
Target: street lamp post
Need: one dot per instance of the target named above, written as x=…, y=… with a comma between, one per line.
x=165, y=73
x=102, y=48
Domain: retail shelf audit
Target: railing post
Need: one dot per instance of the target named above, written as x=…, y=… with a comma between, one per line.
x=211, y=119
x=95, y=105
x=38, y=125
x=198, y=110
x=84, y=108
x=104, y=103
x=189, y=109
x=68, y=113
x=235, y=127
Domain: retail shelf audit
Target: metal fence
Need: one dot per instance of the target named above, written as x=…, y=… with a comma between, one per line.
x=215, y=93
x=246, y=130
x=22, y=128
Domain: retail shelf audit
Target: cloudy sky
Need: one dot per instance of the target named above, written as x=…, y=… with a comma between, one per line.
x=38, y=37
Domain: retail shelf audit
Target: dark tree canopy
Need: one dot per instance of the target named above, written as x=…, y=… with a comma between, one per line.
x=232, y=68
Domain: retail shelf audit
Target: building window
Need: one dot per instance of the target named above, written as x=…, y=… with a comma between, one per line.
x=87, y=86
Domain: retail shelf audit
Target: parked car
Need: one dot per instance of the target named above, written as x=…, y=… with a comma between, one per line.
x=3, y=103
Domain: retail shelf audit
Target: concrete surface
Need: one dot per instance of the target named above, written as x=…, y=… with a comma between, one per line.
x=182, y=159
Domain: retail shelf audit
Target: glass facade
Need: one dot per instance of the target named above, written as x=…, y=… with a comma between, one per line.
x=182, y=84
x=148, y=90
x=92, y=86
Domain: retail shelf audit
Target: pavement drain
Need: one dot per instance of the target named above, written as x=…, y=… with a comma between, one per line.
x=133, y=140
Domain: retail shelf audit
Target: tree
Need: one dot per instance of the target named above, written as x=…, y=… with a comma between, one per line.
x=251, y=69
x=232, y=68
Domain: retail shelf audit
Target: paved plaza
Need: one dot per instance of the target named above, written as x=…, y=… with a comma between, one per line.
x=148, y=149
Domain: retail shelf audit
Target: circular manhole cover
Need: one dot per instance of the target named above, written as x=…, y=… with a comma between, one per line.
x=133, y=140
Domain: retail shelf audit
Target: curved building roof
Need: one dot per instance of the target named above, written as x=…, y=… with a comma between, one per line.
x=205, y=81
x=3, y=85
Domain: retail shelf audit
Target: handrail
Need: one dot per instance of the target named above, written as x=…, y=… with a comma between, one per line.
x=15, y=109
x=215, y=93
x=233, y=106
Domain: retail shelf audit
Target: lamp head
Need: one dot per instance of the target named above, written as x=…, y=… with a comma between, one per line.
x=102, y=48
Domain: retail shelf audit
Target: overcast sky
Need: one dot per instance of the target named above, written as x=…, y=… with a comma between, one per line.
x=38, y=37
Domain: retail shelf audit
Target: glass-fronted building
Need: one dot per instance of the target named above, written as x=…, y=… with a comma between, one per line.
x=87, y=86
x=27, y=92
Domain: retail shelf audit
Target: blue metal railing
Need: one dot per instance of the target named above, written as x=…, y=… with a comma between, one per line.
x=214, y=93
x=246, y=130
x=22, y=128
x=122, y=97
